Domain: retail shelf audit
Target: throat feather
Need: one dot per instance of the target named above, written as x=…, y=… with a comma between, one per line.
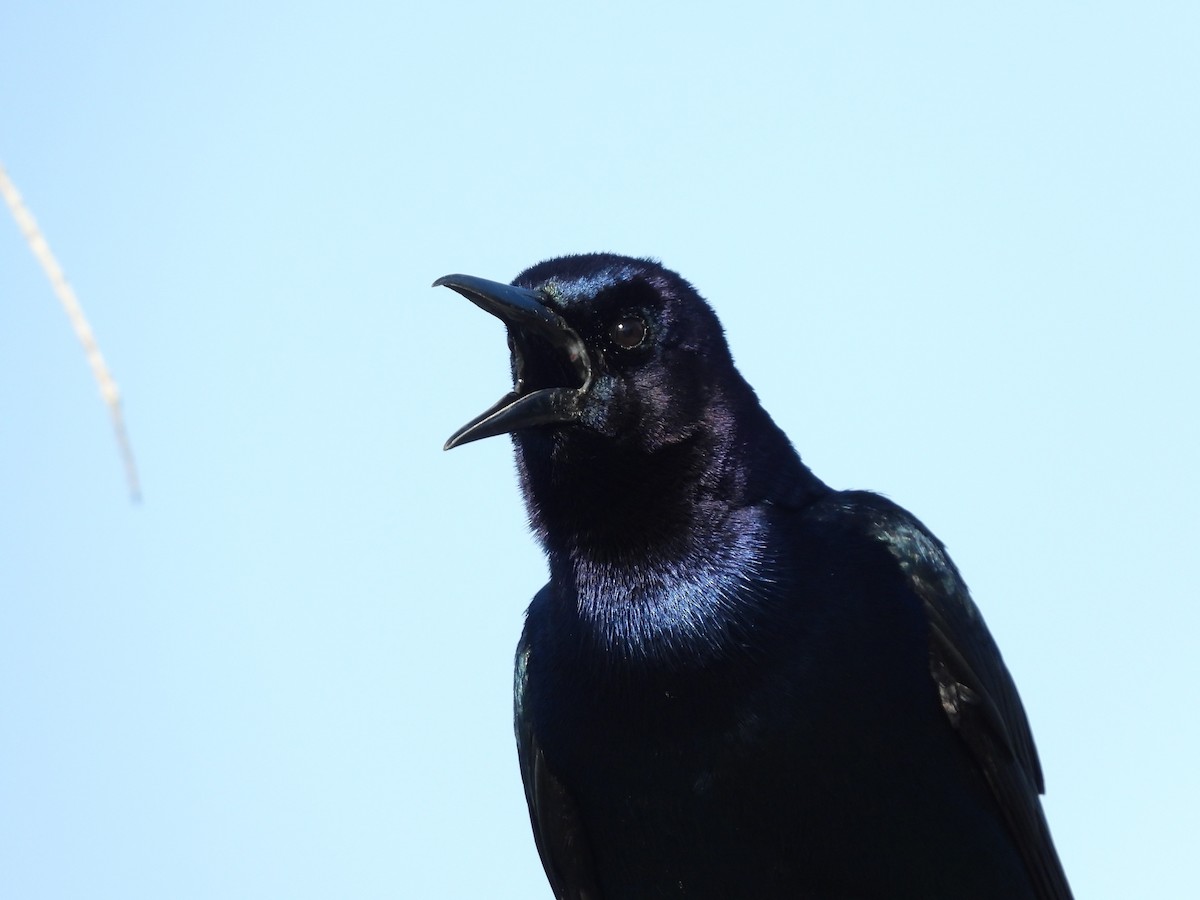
x=678, y=609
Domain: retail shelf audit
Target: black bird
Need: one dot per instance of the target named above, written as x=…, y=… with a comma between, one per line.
x=738, y=682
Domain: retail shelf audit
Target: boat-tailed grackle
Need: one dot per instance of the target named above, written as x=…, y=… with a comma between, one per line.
x=739, y=683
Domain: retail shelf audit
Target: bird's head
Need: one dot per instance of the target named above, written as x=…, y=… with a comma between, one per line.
x=616, y=347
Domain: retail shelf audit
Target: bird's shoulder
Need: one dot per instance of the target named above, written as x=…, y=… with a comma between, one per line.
x=558, y=829
x=974, y=684
x=976, y=690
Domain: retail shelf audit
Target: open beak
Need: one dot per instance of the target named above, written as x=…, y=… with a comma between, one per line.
x=544, y=348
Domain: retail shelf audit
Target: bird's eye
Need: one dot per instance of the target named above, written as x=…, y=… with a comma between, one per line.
x=628, y=331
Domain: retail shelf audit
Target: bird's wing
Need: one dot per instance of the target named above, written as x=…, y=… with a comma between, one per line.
x=557, y=828
x=976, y=690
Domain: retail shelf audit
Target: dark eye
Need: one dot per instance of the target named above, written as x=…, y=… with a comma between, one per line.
x=628, y=331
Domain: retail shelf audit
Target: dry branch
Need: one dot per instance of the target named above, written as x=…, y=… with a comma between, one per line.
x=108, y=387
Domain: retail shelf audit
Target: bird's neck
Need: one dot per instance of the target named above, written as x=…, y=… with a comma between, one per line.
x=657, y=555
x=592, y=494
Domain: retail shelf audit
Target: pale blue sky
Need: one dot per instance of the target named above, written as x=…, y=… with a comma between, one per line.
x=954, y=247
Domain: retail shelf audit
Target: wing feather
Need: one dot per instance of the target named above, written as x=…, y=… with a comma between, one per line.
x=976, y=690
x=557, y=827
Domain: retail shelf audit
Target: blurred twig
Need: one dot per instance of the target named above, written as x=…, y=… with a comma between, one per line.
x=108, y=387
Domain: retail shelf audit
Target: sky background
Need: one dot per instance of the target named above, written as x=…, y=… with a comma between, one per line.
x=954, y=246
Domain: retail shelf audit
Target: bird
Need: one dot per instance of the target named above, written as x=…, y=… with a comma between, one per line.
x=738, y=682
